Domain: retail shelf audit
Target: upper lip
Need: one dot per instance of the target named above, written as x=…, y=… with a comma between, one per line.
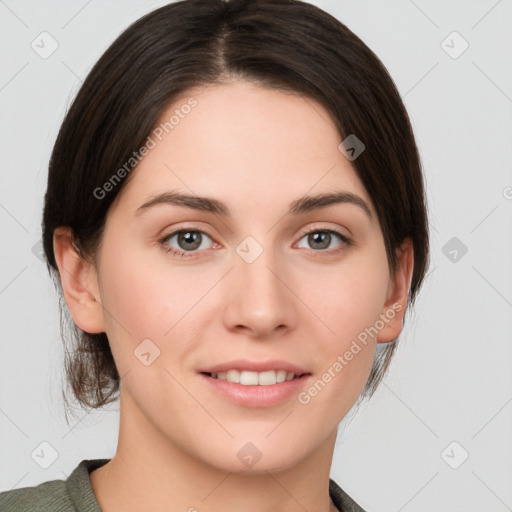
x=254, y=366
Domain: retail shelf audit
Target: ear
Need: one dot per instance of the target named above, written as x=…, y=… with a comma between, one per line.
x=398, y=291
x=79, y=283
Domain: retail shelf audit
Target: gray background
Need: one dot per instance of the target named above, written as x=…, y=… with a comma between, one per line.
x=451, y=378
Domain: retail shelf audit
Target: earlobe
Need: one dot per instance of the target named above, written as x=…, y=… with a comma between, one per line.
x=79, y=283
x=398, y=292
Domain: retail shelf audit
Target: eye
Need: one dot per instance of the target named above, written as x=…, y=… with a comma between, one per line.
x=321, y=239
x=187, y=241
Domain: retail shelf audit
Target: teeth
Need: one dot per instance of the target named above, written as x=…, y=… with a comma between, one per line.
x=248, y=378
x=232, y=376
x=267, y=378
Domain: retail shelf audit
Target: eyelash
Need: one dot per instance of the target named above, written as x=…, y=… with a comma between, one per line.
x=345, y=241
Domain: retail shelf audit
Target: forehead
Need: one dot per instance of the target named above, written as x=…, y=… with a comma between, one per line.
x=243, y=143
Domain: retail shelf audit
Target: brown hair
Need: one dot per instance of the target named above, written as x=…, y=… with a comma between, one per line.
x=285, y=44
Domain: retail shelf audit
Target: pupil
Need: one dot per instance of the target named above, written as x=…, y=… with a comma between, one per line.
x=320, y=237
x=189, y=240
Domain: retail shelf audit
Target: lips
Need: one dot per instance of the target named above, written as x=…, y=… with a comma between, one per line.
x=260, y=383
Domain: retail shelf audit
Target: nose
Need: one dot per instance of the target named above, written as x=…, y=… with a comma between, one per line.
x=260, y=301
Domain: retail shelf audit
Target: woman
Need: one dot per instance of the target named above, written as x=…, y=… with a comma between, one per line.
x=235, y=215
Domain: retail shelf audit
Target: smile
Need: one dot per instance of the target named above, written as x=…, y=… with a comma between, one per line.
x=250, y=378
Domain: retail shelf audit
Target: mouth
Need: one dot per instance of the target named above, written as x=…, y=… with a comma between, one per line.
x=253, y=378
x=255, y=384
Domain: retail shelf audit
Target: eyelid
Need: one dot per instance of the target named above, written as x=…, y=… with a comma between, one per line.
x=315, y=228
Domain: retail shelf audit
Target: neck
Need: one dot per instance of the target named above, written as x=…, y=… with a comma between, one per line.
x=151, y=472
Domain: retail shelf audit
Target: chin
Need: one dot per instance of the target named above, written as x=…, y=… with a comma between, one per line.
x=257, y=456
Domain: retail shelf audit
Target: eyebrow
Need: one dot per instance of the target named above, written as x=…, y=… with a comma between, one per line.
x=302, y=205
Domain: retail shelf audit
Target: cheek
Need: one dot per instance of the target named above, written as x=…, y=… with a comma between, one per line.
x=144, y=298
x=135, y=295
x=351, y=299
x=349, y=303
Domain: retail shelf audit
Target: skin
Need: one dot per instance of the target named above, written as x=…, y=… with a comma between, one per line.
x=257, y=150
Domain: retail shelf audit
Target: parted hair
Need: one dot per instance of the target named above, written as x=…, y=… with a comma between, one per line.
x=289, y=45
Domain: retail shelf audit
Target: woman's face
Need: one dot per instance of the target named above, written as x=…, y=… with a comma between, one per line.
x=245, y=286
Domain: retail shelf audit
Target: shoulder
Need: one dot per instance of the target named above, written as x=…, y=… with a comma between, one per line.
x=51, y=496
x=72, y=495
x=342, y=500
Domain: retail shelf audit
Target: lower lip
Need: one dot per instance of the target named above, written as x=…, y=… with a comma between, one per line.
x=257, y=396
